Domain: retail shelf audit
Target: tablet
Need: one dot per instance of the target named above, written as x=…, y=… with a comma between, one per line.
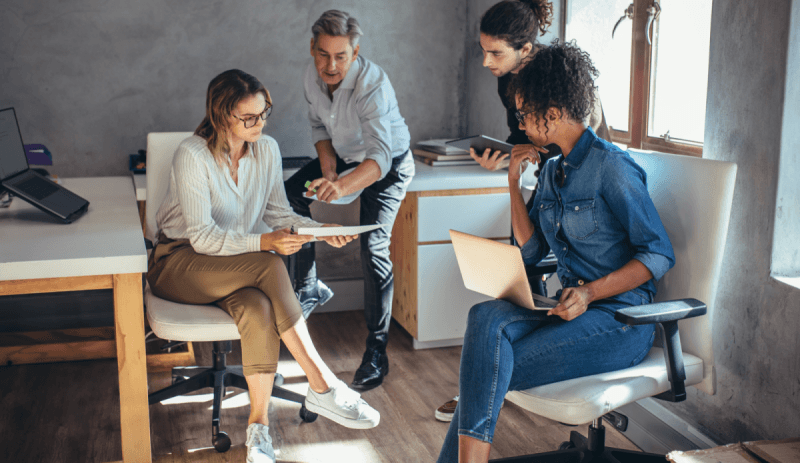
x=480, y=143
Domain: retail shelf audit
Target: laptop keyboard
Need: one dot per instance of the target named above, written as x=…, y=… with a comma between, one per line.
x=38, y=188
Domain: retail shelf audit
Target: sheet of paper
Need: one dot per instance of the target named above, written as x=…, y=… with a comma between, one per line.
x=339, y=231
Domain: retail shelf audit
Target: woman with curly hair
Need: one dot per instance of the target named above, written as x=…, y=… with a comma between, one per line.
x=508, y=39
x=509, y=30
x=593, y=210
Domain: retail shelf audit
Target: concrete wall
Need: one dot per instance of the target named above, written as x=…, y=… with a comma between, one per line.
x=786, y=251
x=90, y=78
x=749, y=111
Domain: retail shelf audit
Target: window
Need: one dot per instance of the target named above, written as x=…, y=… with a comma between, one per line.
x=653, y=63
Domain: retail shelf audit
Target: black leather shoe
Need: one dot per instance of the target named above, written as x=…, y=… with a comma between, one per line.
x=310, y=296
x=374, y=366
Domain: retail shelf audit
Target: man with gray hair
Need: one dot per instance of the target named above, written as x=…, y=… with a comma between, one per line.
x=362, y=145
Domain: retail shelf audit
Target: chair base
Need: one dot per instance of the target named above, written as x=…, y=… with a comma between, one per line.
x=580, y=449
x=220, y=376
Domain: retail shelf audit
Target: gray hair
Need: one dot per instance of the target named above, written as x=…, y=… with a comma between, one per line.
x=337, y=24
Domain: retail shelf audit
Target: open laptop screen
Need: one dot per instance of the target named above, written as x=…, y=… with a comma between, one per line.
x=12, y=151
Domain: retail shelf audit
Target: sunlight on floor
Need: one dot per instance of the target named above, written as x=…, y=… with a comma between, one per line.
x=199, y=449
x=293, y=375
x=332, y=452
x=291, y=372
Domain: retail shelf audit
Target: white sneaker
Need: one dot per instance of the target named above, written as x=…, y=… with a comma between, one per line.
x=259, y=444
x=344, y=406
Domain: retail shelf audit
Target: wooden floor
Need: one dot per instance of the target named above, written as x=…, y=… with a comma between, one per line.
x=69, y=412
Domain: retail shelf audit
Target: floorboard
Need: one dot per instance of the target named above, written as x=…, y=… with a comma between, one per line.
x=69, y=412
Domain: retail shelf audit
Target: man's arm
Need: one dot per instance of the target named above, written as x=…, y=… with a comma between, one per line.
x=327, y=159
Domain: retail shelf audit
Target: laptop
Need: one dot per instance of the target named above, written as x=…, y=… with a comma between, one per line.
x=496, y=269
x=17, y=177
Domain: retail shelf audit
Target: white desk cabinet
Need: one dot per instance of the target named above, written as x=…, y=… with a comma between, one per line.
x=430, y=300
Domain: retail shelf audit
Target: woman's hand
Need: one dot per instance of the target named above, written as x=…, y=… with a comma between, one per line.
x=326, y=190
x=574, y=301
x=283, y=241
x=489, y=160
x=522, y=154
x=337, y=241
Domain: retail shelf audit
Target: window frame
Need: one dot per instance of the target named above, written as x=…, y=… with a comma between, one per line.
x=640, y=84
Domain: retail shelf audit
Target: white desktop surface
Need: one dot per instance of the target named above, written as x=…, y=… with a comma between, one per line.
x=430, y=178
x=102, y=249
x=140, y=185
x=106, y=239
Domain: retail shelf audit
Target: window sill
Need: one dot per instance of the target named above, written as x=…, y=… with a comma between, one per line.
x=791, y=281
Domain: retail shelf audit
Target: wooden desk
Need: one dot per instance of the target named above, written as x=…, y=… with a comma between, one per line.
x=430, y=300
x=103, y=249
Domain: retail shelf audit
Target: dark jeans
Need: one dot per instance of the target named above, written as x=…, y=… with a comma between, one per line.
x=510, y=348
x=379, y=204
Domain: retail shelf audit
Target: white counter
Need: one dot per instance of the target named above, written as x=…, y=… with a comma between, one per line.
x=429, y=178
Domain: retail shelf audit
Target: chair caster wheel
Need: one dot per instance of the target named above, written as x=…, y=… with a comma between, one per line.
x=221, y=442
x=307, y=416
x=566, y=445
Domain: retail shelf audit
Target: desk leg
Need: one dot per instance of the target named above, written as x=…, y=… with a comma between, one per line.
x=132, y=365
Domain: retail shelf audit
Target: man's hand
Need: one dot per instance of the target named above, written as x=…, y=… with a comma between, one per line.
x=489, y=160
x=337, y=241
x=283, y=241
x=330, y=175
x=326, y=190
x=523, y=154
x=573, y=302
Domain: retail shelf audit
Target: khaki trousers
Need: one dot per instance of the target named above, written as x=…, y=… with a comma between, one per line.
x=254, y=288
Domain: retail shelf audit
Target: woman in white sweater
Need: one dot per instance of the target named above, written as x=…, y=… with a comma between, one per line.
x=225, y=210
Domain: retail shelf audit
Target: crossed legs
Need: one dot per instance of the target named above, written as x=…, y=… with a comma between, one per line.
x=255, y=289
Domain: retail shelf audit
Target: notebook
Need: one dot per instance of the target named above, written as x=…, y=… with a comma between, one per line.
x=17, y=177
x=496, y=269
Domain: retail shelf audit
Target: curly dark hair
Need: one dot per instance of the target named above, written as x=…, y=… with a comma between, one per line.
x=517, y=21
x=561, y=76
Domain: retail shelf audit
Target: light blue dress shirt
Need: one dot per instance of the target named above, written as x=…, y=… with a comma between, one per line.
x=363, y=120
x=600, y=219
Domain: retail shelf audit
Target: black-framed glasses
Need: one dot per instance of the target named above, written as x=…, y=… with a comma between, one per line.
x=521, y=116
x=251, y=121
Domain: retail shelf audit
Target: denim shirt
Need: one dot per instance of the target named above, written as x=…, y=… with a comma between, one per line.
x=600, y=219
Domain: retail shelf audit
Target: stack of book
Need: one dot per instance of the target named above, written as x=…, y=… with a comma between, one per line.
x=437, y=153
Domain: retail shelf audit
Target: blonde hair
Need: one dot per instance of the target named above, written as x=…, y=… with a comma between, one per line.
x=224, y=93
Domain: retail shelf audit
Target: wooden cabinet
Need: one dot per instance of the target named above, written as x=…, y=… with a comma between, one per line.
x=430, y=300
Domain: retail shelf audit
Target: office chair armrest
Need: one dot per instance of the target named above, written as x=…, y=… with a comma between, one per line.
x=148, y=244
x=547, y=265
x=660, y=312
x=665, y=315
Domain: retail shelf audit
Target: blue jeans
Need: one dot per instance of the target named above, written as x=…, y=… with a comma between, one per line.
x=380, y=203
x=509, y=348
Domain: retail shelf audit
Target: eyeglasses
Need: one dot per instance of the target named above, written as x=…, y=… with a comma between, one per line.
x=521, y=116
x=251, y=121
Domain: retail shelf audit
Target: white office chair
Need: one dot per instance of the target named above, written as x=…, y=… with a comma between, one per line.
x=189, y=323
x=693, y=197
